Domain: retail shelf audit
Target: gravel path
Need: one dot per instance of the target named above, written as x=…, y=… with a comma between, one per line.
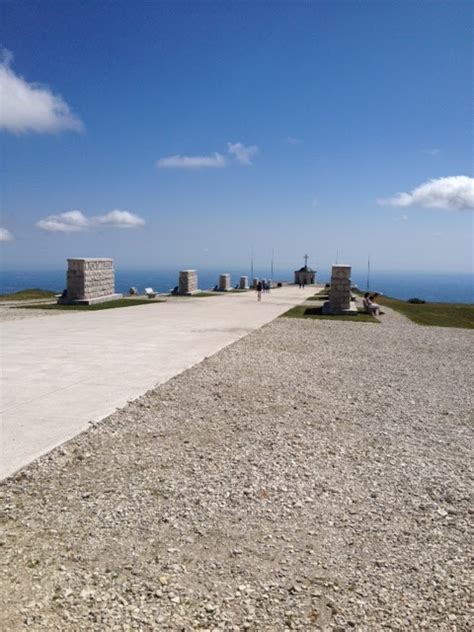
x=312, y=476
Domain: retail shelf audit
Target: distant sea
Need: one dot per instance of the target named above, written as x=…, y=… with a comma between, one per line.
x=446, y=288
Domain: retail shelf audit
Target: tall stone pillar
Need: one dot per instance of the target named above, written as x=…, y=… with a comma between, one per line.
x=188, y=282
x=244, y=283
x=340, y=292
x=224, y=283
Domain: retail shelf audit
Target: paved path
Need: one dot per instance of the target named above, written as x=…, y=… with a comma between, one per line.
x=59, y=374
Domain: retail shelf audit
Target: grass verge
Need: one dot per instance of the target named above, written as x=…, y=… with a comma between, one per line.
x=460, y=315
x=28, y=295
x=122, y=302
x=306, y=311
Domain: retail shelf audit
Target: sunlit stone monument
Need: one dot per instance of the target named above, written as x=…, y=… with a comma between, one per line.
x=90, y=281
x=244, y=283
x=340, y=296
x=188, y=282
x=224, y=283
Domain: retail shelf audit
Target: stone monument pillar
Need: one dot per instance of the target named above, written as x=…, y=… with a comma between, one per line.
x=244, y=283
x=224, y=283
x=90, y=281
x=340, y=292
x=255, y=283
x=188, y=282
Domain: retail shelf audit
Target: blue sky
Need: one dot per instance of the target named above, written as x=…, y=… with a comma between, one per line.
x=182, y=134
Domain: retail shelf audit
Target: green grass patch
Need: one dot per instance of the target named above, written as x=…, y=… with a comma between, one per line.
x=122, y=302
x=28, y=295
x=306, y=311
x=460, y=315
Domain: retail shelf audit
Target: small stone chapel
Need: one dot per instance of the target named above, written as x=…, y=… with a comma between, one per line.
x=305, y=275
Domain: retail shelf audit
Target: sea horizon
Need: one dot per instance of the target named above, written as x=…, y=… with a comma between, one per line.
x=447, y=287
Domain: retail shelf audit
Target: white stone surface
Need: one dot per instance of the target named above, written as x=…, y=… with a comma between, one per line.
x=59, y=374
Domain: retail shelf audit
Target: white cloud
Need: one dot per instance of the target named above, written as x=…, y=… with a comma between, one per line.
x=69, y=222
x=30, y=107
x=435, y=151
x=191, y=162
x=5, y=235
x=292, y=140
x=76, y=221
x=454, y=193
x=241, y=152
x=119, y=219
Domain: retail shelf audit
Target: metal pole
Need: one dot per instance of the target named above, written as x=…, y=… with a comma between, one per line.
x=251, y=264
x=368, y=273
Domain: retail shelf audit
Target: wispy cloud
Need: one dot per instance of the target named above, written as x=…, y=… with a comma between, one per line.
x=191, y=162
x=68, y=222
x=30, y=107
x=314, y=202
x=434, y=151
x=242, y=153
x=76, y=221
x=454, y=193
x=238, y=151
x=293, y=140
x=119, y=219
x=5, y=235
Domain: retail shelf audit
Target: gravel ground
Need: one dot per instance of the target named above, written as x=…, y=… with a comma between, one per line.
x=13, y=311
x=312, y=476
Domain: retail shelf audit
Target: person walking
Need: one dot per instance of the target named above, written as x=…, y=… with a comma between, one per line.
x=259, y=291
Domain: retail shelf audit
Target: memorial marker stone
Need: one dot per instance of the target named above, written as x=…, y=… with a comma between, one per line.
x=188, y=282
x=244, y=283
x=90, y=281
x=224, y=283
x=340, y=292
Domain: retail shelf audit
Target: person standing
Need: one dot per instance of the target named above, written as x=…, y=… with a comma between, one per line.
x=259, y=291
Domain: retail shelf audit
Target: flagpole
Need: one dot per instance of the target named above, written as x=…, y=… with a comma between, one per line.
x=251, y=265
x=368, y=273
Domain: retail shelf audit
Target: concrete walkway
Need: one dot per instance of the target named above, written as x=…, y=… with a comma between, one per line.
x=60, y=373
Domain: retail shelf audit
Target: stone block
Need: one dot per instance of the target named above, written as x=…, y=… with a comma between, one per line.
x=224, y=283
x=90, y=280
x=244, y=283
x=188, y=282
x=340, y=292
